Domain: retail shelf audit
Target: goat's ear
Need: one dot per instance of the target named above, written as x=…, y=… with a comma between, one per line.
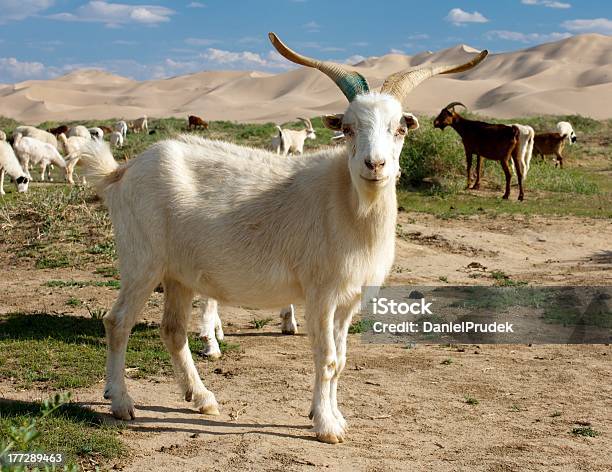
x=410, y=121
x=333, y=122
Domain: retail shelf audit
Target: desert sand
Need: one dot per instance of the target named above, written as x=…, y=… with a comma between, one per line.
x=571, y=76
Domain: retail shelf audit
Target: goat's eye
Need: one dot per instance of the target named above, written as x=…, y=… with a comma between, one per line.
x=401, y=131
x=347, y=131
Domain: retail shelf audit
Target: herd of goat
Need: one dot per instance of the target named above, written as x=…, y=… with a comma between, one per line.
x=246, y=227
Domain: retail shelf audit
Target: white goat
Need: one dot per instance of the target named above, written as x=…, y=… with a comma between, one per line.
x=247, y=227
x=32, y=151
x=138, y=125
x=40, y=134
x=291, y=140
x=73, y=147
x=10, y=165
x=79, y=131
x=116, y=139
x=566, y=130
x=122, y=127
x=96, y=133
x=526, y=138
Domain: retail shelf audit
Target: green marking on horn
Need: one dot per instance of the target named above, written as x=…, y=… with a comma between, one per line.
x=353, y=84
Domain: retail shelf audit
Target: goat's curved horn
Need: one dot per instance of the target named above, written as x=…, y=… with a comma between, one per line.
x=306, y=121
x=454, y=104
x=350, y=82
x=401, y=83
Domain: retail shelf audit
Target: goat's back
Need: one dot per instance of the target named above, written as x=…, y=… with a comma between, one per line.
x=549, y=143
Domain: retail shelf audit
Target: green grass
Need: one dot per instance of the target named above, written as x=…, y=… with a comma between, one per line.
x=66, y=352
x=74, y=302
x=77, y=432
x=260, y=323
x=360, y=326
x=116, y=284
x=504, y=280
x=585, y=431
x=471, y=400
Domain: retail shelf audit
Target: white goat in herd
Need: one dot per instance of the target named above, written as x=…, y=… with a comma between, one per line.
x=246, y=227
x=291, y=141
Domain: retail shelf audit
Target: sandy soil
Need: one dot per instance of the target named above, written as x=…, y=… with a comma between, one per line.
x=406, y=410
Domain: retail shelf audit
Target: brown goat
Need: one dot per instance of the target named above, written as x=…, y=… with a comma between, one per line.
x=197, y=122
x=107, y=129
x=550, y=143
x=491, y=141
x=59, y=130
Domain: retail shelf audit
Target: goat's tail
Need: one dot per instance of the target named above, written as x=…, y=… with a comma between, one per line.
x=100, y=166
x=281, y=139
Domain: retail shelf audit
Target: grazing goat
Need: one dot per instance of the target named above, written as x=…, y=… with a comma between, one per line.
x=526, y=139
x=139, y=125
x=106, y=129
x=73, y=148
x=10, y=165
x=96, y=133
x=32, y=132
x=35, y=152
x=196, y=122
x=79, y=131
x=291, y=140
x=565, y=128
x=491, y=141
x=116, y=139
x=122, y=127
x=246, y=227
x=58, y=130
x=550, y=143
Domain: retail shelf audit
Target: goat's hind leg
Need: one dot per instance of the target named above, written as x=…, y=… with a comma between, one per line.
x=118, y=325
x=211, y=329
x=177, y=310
x=288, y=323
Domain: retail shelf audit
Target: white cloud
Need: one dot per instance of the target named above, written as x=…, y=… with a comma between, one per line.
x=20, y=9
x=413, y=37
x=355, y=59
x=458, y=17
x=526, y=37
x=396, y=51
x=13, y=70
x=312, y=27
x=547, y=3
x=196, y=5
x=201, y=41
x=116, y=14
x=245, y=59
x=595, y=25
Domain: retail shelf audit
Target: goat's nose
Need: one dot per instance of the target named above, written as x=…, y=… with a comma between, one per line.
x=374, y=165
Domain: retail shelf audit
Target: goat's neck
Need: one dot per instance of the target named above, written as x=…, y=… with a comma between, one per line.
x=460, y=125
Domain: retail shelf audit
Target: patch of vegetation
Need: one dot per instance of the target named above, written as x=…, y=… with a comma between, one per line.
x=585, y=431
x=74, y=302
x=260, y=323
x=503, y=280
x=66, y=352
x=83, y=283
x=224, y=346
x=471, y=400
x=108, y=271
x=361, y=326
x=53, y=261
x=32, y=427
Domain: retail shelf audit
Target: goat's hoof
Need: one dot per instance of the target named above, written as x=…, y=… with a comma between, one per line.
x=188, y=395
x=520, y=198
x=106, y=394
x=211, y=354
x=289, y=331
x=124, y=410
x=212, y=410
x=330, y=438
x=505, y=197
x=475, y=187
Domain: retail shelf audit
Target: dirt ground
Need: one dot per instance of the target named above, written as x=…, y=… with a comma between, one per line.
x=406, y=409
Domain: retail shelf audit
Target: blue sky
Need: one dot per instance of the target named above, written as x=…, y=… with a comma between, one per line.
x=155, y=39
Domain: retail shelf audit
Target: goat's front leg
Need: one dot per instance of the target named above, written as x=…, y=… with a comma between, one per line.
x=342, y=322
x=43, y=170
x=476, y=185
x=559, y=160
x=320, y=319
x=211, y=330
x=2, y=192
x=468, y=158
x=519, y=167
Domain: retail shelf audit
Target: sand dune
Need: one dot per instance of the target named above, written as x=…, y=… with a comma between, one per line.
x=569, y=76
